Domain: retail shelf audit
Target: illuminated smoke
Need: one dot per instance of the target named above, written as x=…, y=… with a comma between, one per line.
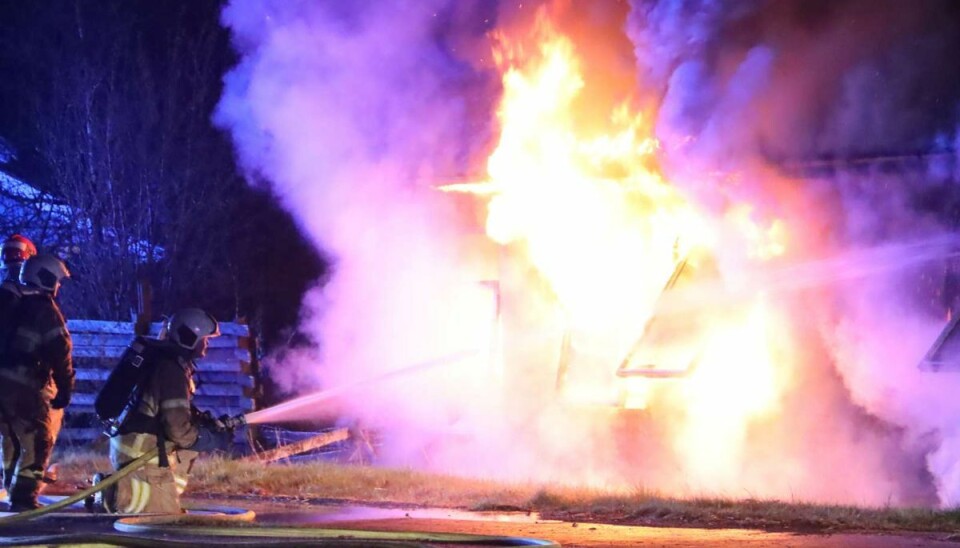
x=353, y=111
x=751, y=90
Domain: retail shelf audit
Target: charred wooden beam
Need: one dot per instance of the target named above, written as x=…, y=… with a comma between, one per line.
x=301, y=446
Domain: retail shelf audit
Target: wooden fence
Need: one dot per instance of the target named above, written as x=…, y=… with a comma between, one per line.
x=226, y=378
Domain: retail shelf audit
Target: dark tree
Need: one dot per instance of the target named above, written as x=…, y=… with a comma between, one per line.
x=110, y=105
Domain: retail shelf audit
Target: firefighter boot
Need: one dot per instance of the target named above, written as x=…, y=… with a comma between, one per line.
x=90, y=502
x=23, y=494
x=103, y=501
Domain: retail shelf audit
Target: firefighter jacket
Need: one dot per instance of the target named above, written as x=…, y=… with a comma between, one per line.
x=36, y=346
x=11, y=275
x=165, y=407
x=9, y=298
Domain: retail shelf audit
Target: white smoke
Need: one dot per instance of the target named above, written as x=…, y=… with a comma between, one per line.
x=756, y=88
x=353, y=111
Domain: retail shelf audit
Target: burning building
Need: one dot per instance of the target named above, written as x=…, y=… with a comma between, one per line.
x=586, y=208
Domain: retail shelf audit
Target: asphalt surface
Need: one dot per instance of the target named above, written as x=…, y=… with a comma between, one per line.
x=75, y=526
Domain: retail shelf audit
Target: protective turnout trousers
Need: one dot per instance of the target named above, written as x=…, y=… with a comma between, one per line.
x=151, y=489
x=28, y=428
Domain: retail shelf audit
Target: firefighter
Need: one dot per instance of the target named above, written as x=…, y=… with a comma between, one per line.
x=165, y=414
x=36, y=370
x=16, y=249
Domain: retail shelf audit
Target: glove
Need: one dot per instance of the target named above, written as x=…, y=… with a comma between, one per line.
x=211, y=440
x=61, y=400
x=203, y=419
x=232, y=423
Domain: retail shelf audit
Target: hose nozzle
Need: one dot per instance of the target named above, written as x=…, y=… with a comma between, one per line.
x=234, y=422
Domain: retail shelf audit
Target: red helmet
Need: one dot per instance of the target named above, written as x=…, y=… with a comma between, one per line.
x=17, y=249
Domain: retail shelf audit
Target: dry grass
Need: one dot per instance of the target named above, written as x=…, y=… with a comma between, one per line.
x=652, y=509
x=325, y=481
x=75, y=468
x=354, y=483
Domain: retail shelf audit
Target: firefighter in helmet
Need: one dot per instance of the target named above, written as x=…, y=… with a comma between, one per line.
x=16, y=250
x=36, y=370
x=164, y=416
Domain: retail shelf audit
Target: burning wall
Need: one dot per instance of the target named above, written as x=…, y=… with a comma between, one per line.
x=598, y=163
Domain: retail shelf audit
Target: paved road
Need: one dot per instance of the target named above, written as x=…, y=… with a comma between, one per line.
x=575, y=534
x=509, y=524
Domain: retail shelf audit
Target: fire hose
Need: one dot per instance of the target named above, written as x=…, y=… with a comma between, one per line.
x=209, y=526
x=131, y=467
x=238, y=526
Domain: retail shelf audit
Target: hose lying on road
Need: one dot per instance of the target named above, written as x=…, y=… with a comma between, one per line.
x=100, y=540
x=211, y=526
x=189, y=527
x=131, y=467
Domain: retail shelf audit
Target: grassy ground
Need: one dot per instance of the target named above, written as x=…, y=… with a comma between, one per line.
x=324, y=481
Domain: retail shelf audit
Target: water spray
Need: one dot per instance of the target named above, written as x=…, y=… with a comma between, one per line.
x=277, y=412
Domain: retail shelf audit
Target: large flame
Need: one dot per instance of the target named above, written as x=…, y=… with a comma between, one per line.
x=606, y=232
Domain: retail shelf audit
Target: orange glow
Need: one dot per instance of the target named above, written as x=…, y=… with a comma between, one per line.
x=737, y=380
x=593, y=215
x=602, y=242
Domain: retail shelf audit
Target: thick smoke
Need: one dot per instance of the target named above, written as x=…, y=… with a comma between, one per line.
x=770, y=94
x=353, y=111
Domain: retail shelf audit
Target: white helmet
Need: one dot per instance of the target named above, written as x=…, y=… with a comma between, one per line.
x=188, y=326
x=44, y=272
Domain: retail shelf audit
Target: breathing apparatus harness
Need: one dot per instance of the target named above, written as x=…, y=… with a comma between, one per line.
x=118, y=402
x=11, y=318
